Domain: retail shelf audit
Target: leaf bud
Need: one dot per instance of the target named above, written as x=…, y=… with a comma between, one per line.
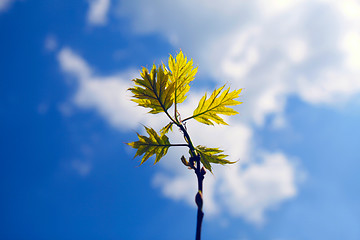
x=199, y=200
x=184, y=161
x=203, y=171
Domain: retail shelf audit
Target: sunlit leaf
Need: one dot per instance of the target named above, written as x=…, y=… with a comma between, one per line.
x=182, y=73
x=163, y=87
x=166, y=129
x=152, y=145
x=208, y=109
x=153, y=90
x=212, y=155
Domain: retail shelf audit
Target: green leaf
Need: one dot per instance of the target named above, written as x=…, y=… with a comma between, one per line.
x=208, y=109
x=154, y=90
x=212, y=155
x=182, y=73
x=154, y=144
x=166, y=129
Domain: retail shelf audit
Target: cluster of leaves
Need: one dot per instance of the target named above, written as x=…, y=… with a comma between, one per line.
x=164, y=87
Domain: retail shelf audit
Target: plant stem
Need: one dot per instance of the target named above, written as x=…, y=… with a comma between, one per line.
x=199, y=197
x=178, y=145
x=200, y=172
x=188, y=140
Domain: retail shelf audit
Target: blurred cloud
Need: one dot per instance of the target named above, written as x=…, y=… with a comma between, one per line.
x=249, y=188
x=250, y=191
x=107, y=95
x=98, y=10
x=272, y=49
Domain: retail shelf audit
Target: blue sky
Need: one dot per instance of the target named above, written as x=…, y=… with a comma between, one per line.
x=65, y=115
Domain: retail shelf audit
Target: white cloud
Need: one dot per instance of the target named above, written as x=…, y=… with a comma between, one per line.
x=273, y=49
x=297, y=50
x=107, y=95
x=179, y=183
x=71, y=63
x=260, y=186
x=351, y=46
x=98, y=11
x=246, y=189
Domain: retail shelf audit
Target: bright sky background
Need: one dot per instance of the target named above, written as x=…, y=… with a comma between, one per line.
x=65, y=115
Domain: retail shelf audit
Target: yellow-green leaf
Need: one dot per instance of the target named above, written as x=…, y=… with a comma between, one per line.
x=166, y=129
x=153, y=90
x=208, y=109
x=152, y=145
x=182, y=73
x=212, y=155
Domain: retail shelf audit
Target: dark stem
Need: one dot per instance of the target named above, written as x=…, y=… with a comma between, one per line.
x=200, y=172
x=188, y=140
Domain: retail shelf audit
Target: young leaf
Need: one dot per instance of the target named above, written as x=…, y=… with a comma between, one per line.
x=208, y=109
x=166, y=129
x=154, y=144
x=153, y=90
x=181, y=74
x=185, y=162
x=211, y=155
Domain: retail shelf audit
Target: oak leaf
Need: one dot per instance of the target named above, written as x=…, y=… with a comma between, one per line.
x=153, y=90
x=208, y=109
x=152, y=145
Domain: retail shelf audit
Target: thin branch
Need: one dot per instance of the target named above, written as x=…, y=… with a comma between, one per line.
x=167, y=145
x=200, y=172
